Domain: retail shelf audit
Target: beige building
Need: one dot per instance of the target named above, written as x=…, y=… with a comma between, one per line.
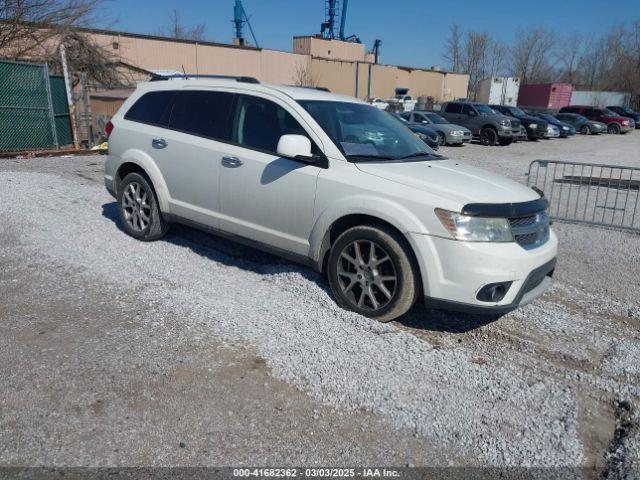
x=342, y=67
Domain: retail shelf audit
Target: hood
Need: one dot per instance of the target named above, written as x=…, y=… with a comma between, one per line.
x=453, y=180
x=537, y=120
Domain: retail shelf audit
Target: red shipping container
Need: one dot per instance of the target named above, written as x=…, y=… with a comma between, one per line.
x=553, y=96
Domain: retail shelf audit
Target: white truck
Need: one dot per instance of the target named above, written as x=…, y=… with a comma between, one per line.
x=498, y=91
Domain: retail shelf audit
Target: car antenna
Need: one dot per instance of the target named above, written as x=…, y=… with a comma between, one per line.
x=185, y=73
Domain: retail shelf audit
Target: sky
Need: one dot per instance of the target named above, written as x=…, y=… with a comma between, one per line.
x=412, y=31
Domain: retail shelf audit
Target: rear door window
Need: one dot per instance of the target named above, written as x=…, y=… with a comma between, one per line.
x=203, y=113
x=453, y=108
x=152, y=108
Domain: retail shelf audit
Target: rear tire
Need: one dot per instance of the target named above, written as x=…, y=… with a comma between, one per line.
x=382, y=286
x=585, y=130
x=488, y=137
x=139, y=210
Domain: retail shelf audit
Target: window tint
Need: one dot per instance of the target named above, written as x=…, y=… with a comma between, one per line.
x=202, y=113
x=453, y=108
x=152, y=108
x=260, y=123
x=466, y=109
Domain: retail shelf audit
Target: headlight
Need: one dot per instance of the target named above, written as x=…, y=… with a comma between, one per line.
x=625, y=122
x=475, y=229
x=533, y=125
x=565, y=128
x=505, y=123
x=456, y=133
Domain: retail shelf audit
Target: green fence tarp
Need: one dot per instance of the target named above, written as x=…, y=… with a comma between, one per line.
x=25, y=115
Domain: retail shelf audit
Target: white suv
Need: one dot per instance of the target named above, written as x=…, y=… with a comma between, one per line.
x=331, y=182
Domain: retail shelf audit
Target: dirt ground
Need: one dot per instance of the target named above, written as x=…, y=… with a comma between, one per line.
x=118, y=353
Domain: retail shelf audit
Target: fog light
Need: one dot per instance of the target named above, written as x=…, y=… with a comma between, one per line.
x=494, y=292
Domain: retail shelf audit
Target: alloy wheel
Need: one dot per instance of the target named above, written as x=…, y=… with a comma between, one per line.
x=136, y=206
x=366, y=275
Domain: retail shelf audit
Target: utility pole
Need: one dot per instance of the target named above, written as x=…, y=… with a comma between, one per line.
x=67, y=84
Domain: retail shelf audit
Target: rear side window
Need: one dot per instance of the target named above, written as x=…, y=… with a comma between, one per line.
x=453, y=108
x=152, y=108
x=260, y=123
x=202, y=113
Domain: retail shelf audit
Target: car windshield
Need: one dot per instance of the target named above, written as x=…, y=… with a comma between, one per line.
x=435, y=118
x=609, y=113
x=363, y=132
x=517, y=111
x=484, y=109
x=580, y=118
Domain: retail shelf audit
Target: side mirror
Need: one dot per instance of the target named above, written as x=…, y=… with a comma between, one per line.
x=425, y=122
x=472, y=113
x=294, y=146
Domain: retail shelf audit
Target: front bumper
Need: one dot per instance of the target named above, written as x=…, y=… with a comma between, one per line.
x=508, y=132
x=453, y=272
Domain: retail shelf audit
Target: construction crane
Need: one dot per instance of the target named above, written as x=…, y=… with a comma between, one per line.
x=239, y=19
x=328, y=27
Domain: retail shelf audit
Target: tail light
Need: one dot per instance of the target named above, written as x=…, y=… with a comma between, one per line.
x=108, y=128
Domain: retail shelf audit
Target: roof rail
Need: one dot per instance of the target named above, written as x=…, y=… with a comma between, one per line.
x=186, y=76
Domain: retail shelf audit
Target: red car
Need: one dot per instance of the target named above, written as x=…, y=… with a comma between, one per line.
x=615, y=122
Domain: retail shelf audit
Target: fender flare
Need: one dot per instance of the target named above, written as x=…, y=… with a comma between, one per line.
x=144, y=161
x=386, y=210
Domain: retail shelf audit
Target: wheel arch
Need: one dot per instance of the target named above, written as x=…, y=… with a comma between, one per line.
x=136, y=161
x=342, y=223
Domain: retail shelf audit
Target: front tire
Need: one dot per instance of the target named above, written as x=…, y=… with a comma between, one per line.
x=139, y=210
x=371, y=272
x=488, y=137
x=613, y=129
x=585, y=130
x=442, y=140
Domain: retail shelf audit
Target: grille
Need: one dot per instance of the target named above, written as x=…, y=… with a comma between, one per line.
x=515, y=124
x=531, y=231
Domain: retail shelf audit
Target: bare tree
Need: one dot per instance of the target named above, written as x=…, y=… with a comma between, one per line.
x=474, y=60
x=304, y=77
x=177, y=29
x=453, y=49
x=35, y=29
x=568, y=56
x=497, y=58
x=530, y=56
x=27, y=24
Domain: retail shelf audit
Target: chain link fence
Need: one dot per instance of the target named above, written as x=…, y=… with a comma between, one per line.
x=33, y=108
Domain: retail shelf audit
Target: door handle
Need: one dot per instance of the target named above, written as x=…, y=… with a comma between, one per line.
x=231, y=162
x=158, y=143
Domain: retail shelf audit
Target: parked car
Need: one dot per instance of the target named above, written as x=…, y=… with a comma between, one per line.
x=536, y=127
x=614, y=121
x=486, y=124
x=582, y=124
x=424, y=133
x=552, y=131
x=627, y=112
x=269, y=166
x=448, y=133
x=379, y=103
x=565, y=129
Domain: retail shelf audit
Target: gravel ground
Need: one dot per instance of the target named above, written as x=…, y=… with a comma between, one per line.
x=552, y=384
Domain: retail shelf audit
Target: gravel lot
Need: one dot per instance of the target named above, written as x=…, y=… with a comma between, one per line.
x=194, y=350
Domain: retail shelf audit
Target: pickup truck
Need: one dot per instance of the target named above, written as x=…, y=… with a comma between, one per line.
x=489, y=126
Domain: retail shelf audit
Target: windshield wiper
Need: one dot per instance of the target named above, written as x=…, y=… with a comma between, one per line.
x=365, y=158
x=420, y=154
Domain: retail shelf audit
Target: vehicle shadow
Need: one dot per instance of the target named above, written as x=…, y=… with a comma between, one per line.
x=233, y=254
